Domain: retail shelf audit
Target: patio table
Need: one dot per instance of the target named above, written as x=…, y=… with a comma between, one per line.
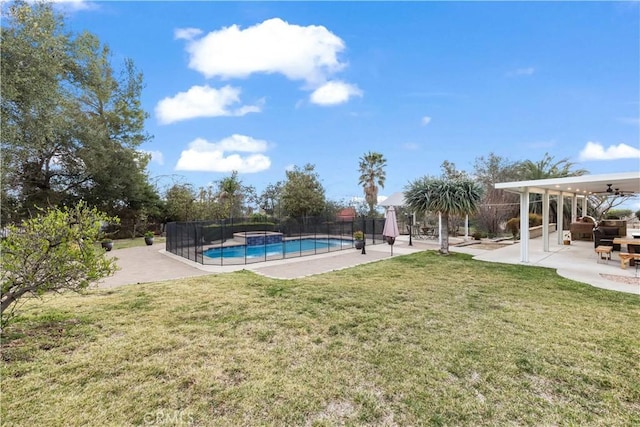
x=633, y=246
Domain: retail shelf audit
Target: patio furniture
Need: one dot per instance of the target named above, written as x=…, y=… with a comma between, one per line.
x=620, y=224
x=430, y=232
x=582, y=229
x=604, y=253
x=605, y=236
x=627, y=259
x=633, y=247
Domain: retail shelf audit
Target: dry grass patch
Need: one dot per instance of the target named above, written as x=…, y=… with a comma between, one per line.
x=415, y=340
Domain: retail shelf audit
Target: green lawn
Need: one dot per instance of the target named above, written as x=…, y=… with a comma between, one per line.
x=414, y=340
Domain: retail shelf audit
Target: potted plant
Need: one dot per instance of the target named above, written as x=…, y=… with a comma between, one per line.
x=358, y=237
x=107, y=244
x=148, y=238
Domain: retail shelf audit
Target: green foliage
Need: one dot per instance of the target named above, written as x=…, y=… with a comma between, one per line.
x=448, y=196
x=52, y=252
x=479, y=234
x=618, y=213
x=71, y=124
x=372, y=177
x=535, y=220
x=256, y=217
x=149, y=234
x=548, y=168
x=271, y=199
x=302, y=193
x=545, y=169
x=180, y=203
x=233, y=196
x=638, y=214
x=358, y=235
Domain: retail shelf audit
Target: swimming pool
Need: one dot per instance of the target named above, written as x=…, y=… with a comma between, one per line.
x=294, y=246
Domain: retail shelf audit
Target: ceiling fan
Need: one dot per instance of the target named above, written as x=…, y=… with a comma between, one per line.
x=615, y=191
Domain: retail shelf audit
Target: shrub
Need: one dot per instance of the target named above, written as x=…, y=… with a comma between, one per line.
x=148, y=234
x=358, y=235
x=52, y=252
x=618, y=213
x=258, y=217
x=478, y=234
x=513, y=225
x=535, y=220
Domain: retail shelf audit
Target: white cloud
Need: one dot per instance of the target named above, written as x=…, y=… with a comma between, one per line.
x=274, y=46
x=205, y=156
x=529, y=71
x=411, y=146
x=425, y=120
x=186, y=33
x=596, y=151
x=203, y=101
x=334, y=92
x=73, y=5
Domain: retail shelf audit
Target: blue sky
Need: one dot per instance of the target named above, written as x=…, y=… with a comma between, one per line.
x=259, y=87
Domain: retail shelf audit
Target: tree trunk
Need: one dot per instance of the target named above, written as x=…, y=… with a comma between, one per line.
x=444, y=246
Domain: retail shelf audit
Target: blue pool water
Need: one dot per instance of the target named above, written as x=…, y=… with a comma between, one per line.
x=290, y=246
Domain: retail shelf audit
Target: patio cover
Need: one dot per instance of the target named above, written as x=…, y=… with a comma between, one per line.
x=575, y=187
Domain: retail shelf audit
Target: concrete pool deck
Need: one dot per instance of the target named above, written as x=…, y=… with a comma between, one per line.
x=577, y=262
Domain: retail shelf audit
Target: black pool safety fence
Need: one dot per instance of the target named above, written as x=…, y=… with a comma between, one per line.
x=244, y=241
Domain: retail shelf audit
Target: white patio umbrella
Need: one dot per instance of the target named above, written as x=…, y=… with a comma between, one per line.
x=390, y=230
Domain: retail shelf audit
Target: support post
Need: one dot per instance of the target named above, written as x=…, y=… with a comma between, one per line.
x=545, y=221
x=559, y=217
x=524, y=225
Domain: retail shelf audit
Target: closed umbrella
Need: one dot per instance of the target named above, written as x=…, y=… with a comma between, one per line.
x=390, y=230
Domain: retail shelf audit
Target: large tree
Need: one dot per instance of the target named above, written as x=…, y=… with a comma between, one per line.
x=71, y=124
x=372, y=177
x=302, y=193
x=447, y=196
x=180, y=203
x=235, y=197
x=497, y=206
x=271, y=199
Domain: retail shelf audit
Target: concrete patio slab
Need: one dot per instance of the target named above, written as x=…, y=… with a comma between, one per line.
x=577, y=261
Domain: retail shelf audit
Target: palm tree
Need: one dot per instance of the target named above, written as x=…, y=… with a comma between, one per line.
x=447, y=196
x=372, y=176
x=545, y=169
